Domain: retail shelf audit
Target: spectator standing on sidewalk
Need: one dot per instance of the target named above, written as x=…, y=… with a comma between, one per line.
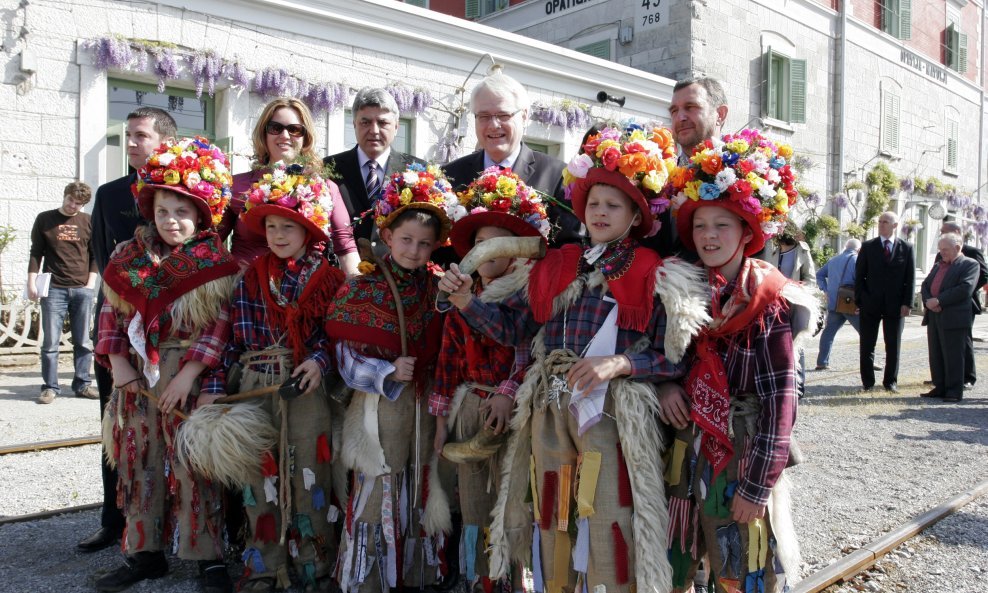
x=837, y=272
x=60, y=246
x=970, y=251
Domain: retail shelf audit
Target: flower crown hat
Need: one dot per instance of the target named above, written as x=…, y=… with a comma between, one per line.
x=419, y=187
x=747, y=174
x=635, y=161
x=498, y=198
x=192, y=167
x=293, y=192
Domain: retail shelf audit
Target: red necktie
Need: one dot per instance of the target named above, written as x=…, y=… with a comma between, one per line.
x=888, y=250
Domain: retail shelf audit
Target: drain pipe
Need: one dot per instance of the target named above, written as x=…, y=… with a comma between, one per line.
x=842, y=100
x=981, y=112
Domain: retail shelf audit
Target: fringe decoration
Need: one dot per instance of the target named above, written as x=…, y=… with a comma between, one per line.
x=269, y=467
x=550, y=483
x=282, y=580
x=624, y=480
x=265, y=530
x=253, y=560
x=323, y=453
x=620, y=555
x=679, y=522
x=140, y=536
x=304, y=525
x=318, y=498
x=565, y=487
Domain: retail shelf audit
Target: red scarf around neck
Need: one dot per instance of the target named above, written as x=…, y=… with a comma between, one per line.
x=758, y=285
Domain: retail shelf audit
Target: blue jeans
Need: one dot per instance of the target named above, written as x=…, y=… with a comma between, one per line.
x=835, y=321
x=78, y=303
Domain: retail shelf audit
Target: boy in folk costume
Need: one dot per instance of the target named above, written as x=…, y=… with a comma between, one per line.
x=729, y=497
x=165, y=322
x=474, y=394
x=388, y=334
x=277, y=318
x=607, y=318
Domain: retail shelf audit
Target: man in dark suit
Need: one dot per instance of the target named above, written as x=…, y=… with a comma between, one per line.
x=972, y=252
x=500, y=109
x=375, y=123
x=697, y=112
x=949, y=315
x=884, y=285
x=115, y=217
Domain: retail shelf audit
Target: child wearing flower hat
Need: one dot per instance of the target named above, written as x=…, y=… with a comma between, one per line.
x=387, y=335
x=278, y=309
x=476, y=377
x=606, y=319
x=163, y=329
x=728, y=493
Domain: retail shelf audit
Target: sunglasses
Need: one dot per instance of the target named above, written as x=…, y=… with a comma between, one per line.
x=294, y=130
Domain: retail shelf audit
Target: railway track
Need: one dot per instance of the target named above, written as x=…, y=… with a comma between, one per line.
x=48, y=445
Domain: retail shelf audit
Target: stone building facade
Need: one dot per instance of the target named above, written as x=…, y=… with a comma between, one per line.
x=63, y=110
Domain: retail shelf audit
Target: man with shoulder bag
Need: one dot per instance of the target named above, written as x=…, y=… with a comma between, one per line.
x=836, y=279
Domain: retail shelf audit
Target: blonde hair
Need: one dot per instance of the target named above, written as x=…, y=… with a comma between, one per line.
x=260, y=135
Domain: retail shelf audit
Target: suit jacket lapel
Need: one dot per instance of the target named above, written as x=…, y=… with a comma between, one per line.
x=351, y=170
x=524, y=164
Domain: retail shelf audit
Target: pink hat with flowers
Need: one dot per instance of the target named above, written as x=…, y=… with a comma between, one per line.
x=293, y=192
x=635, y=161
x=420, y=187
x=192, y=167
x=498, y=198
x=747, y=174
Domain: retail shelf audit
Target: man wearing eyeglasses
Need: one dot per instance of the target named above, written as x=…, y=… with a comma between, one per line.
x=500, y=109
x=366, y=167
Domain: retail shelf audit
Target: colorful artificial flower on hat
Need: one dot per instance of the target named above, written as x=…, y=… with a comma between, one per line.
x=420, y=186
x=295, y=188
x=190, y=166
x=746, y=168
x=502, y=191
x=646, y=158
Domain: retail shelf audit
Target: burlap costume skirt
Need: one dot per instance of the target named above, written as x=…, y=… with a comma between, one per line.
x=288, y=505
x=748, y=556
x=396, y=510
x=165, y=505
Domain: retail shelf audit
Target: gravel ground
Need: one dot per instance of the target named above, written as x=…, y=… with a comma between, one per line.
x=873, y=461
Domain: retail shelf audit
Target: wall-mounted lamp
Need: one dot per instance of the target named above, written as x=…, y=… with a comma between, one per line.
x=603, y=97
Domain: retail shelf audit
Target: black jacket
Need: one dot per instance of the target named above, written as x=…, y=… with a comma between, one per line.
x=882, y=286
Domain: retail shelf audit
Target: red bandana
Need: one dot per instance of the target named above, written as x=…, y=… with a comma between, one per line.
x=299, y=319
x=151, y=283
x=758, y=285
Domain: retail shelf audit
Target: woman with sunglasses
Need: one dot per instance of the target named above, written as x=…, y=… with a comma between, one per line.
x=284, y=132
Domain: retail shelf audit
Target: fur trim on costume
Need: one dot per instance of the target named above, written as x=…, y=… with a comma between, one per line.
x=115, y=301
x=362, y=449
x=454, y=407
x=224, y=442
x=636, y=411
x=787, y=545
x=685, y=295
x=436, y=518
x=107, y=424
x=804, y=304
x=195, y=309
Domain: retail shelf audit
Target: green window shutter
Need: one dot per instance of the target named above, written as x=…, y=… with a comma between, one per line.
x=600, y=49
x=890, y=122
x=950, y=47
x=890, y=17
x=421, y=3
x=472, y=9
x=905, y=19
x=961, y=53
x=797, y=91
x=767, y=110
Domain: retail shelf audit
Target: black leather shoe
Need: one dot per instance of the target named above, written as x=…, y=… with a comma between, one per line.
x=103, y=538
x=892, y=388
x=869, y=388
x=931, y=393
x=136, y=568
x=952, y=398
x=215, y=577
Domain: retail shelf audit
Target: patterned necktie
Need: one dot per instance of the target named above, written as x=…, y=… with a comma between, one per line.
x=373, y=182
x=888, y=250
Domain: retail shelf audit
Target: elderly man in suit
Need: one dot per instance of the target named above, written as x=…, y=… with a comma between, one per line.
x=365, y=168
x=884, y=286
x=500, y=109
x=972, y=252
x=949, y=315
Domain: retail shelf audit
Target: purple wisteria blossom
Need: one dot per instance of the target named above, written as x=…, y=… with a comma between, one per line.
x=111, y=52
x=206, y=68
x=166, y=67
x=239, y=75
x=907, y=184
x=841, y=201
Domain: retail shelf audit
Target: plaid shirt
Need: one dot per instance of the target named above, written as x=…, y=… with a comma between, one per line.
x=207, y=348
x=761, y=361
x=251, y=331
x=468, y=355
x=512, y=322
